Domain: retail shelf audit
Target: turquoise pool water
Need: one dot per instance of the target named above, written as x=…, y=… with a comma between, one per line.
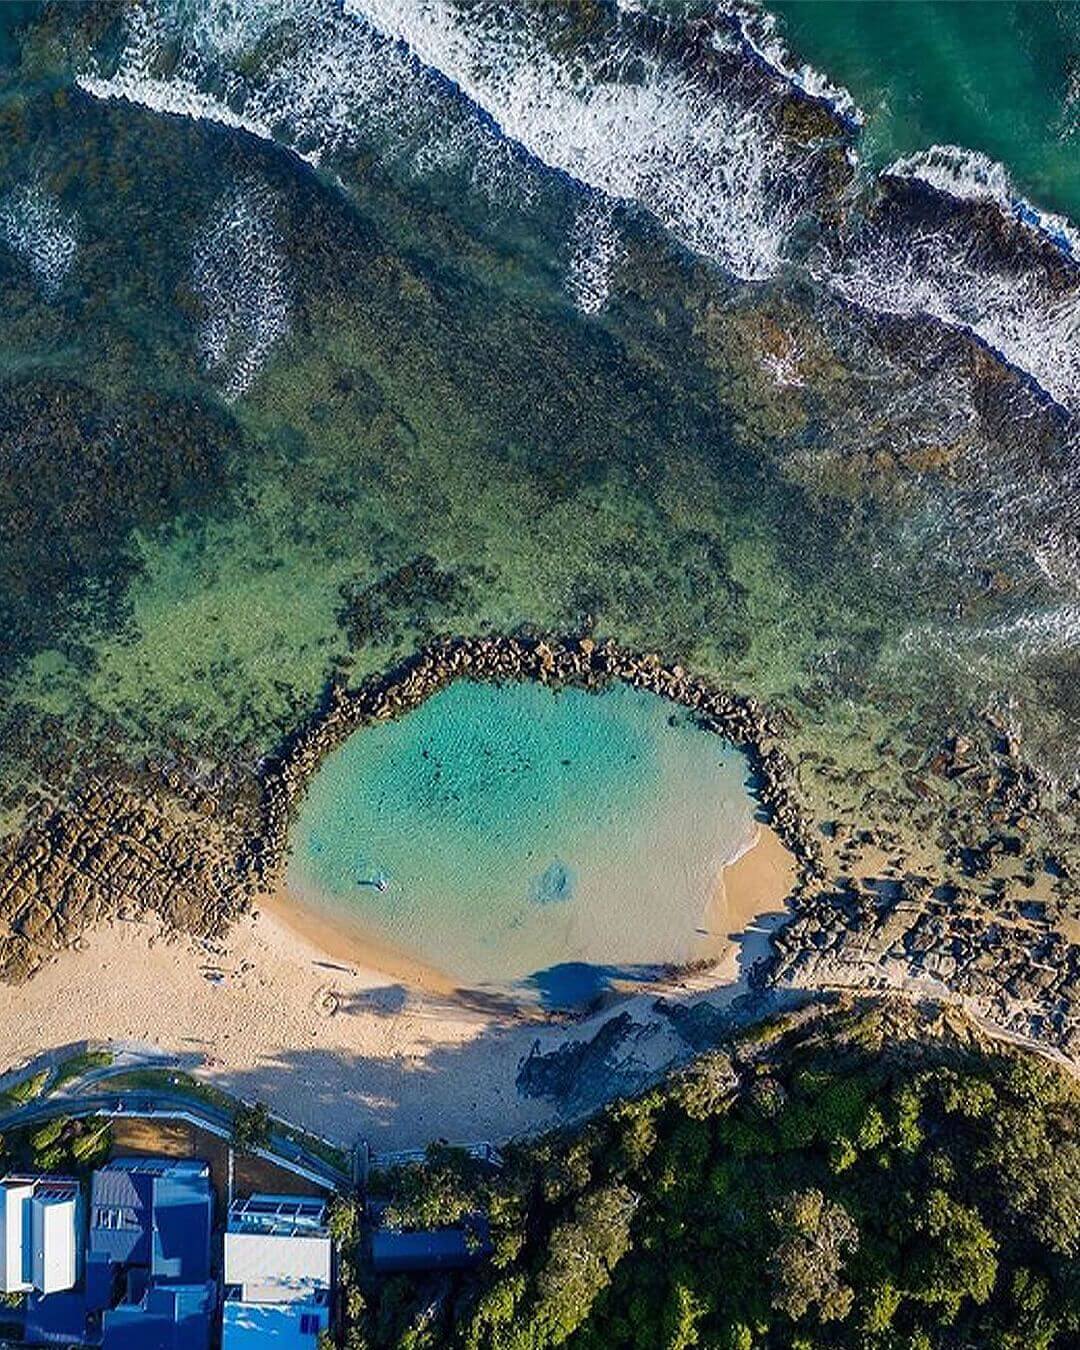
x=519, y=838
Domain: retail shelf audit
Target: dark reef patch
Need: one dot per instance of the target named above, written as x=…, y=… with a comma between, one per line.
x=78, y=473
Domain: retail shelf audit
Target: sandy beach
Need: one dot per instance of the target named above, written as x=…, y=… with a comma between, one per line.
x=327, y=1037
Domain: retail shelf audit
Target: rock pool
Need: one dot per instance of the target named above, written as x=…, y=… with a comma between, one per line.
x=526, y=841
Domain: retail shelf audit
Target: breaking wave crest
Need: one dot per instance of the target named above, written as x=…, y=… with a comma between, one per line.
x=970, y=176
x=322, y=80
x=705, y=159
x=709, y=165
x=945, y=274
x=760, y=31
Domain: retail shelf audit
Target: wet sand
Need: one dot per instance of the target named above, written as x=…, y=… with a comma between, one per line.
x=314, y=1027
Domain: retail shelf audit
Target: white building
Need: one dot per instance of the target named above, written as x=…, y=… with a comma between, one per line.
x=39, y=1234
x=278, y=1273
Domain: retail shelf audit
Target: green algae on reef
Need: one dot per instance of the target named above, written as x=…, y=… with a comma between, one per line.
x=385, y=430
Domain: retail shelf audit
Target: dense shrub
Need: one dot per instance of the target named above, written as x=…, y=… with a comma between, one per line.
x=835, y=1190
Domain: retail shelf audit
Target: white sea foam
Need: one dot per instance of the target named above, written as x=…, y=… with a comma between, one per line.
x=321, y=80
x=1040, y=631
x=1022, y=315
x=707, y=168
x=179, y=94
x=596, y=252
x=761, y=32
x=37, y=230
x=239, y=272
x=969, y=175
x=784, y=367
x=715, y=172
x=945, y=276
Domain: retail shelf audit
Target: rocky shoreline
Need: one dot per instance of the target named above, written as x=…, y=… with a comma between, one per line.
x=198, y=852
x=1010, y=968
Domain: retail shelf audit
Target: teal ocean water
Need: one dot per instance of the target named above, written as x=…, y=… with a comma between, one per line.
x=1002, y=80
x=519, y=839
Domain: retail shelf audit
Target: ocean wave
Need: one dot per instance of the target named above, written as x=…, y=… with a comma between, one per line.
x=302, y=73
x=944, y=270
x=239, y=272
x=712, y=168
x=761, y=32
x=36, y=229
x=135, y=79
x=969, y=175
x=709, y=163
x=644, y=111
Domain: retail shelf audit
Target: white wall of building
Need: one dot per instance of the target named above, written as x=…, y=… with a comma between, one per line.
x=14, y=1202
x=54, y=1243
x=39, y=1236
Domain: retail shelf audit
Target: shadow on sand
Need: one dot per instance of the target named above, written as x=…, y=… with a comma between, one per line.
x=508, y=1075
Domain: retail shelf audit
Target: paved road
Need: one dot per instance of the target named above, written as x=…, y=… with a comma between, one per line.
x=167, y=1105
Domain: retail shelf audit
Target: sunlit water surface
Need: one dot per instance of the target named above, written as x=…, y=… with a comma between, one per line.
x=519, y=839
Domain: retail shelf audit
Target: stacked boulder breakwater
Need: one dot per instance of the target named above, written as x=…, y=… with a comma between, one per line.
x=581, y=663
x=1014, y=969
x=194, y=853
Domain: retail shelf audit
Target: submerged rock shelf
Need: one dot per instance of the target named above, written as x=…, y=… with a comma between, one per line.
x=198, y=854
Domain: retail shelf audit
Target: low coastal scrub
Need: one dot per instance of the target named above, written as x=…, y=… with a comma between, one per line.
x=853, y=1183
x=78, y=1065
x=24, y=1091
x=59, y=1144
x=171, y=1081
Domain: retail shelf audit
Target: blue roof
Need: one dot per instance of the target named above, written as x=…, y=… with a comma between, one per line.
x=169, y=1317
x=153, y=1212
x=120, y=1219
x=181, y=1239
x=271, y=1326
x=56, y=1319
x=430, y=1249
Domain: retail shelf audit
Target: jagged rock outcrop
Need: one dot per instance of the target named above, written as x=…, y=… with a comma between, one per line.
x=1010, y=967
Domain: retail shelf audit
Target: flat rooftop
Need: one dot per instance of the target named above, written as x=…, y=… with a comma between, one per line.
x=279, y=1216
x=45, y=1186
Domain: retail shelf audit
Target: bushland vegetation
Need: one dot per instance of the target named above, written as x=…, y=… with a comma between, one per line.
x=859, y=1180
